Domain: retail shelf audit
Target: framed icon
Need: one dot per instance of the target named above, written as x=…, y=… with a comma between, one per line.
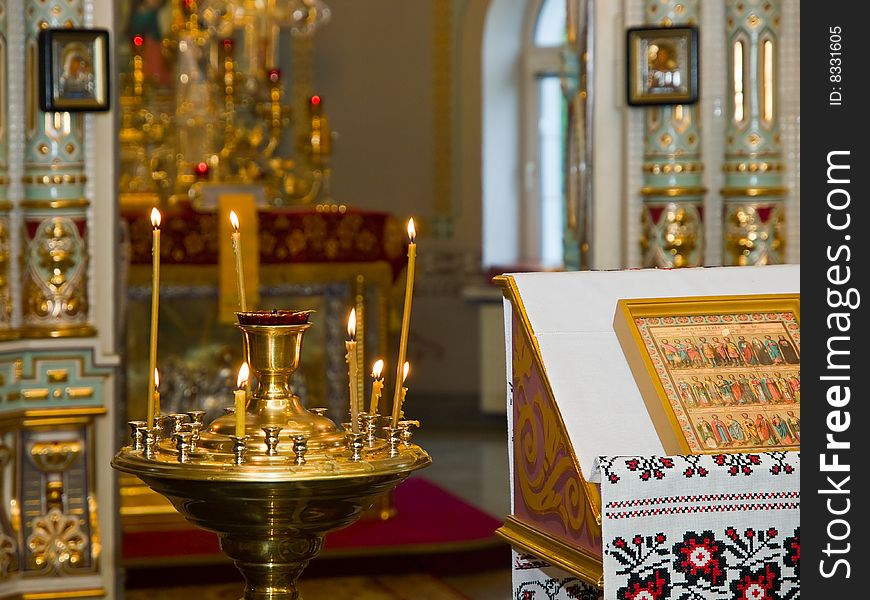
x=717, y=374
x=662, y=65
x=74, y=70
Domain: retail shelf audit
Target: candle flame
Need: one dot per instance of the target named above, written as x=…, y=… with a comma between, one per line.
x=234, y=220
x=243, y=376
x=405, y=371
x=378, y=369
x=155, y=218
x=412, y=231
x=156, y=379
x=351, y=323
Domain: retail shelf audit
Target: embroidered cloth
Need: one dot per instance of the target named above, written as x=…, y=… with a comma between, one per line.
x=701, y=527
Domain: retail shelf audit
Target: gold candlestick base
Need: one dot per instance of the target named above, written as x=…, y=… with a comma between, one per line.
x=270, y=497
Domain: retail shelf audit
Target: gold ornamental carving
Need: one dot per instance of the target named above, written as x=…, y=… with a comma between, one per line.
x=55, y=456
x=754, y=234
x=671, y=239
x=55, y=277
x=57, y=544
x=546, y=469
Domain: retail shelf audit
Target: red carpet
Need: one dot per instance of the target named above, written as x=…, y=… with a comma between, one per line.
x=429, y=520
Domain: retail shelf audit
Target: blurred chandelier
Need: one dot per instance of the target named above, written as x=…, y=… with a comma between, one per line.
x=303, y=17
x=307, y=16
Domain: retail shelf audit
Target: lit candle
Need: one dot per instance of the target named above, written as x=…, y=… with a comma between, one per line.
x=237, y=252
x=406, y=319
x=240, y=396
x=405, y=370
x=377, y=386
x=155, y=302
x=156, y=394
x=350, y=346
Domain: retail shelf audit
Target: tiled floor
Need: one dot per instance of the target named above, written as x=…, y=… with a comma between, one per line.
x=471, y=465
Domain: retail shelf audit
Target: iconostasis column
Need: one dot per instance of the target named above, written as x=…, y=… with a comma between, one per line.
x=753, y=195
x=672, y=193
x=5, y=206
x=54, y=210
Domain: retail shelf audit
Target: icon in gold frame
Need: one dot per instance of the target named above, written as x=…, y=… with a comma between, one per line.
x=662, y=65
x=74, y=70
x=717, y=374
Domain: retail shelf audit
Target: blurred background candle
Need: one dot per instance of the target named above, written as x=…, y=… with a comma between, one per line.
x=155, y=302
x=241, y=399
x=350, y=346
x=237, y=253
x=377, y=386
x=406, y=319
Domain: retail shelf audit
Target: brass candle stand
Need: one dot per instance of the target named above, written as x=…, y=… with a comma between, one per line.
x=273, y=493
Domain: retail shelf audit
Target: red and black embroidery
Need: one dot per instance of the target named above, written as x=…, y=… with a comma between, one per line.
x=780, y=465
x=656, y=468
x=699, y=556
x=650, y=467
x=552, y=588
x=758, y=584
x=737, y=463
x=793, y=552
x=655, y=586
x=693, y=466
x=746, y=564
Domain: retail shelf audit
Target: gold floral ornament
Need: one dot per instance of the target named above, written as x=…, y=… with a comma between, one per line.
x=57, y=544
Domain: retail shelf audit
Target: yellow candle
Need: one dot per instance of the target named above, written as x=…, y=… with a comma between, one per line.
x=240, y=397
x=237, y=253
x=350, y=346
x=156, y=395
x=377, y=386
x=404, y=391
x=406, y=319
x=155, y=302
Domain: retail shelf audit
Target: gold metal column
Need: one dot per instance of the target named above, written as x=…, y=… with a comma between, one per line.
x=754, y=195
x=54, y=262
x=673, y=194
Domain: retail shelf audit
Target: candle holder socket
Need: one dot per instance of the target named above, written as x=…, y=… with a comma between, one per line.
x=300, y=447
x=196, y=416
x=151, y=439
x=405, y=432
x=394, y=438
x=195, y=429
x=176, y=422
x=370, y=427
x=272, y=432
x=240, y=447
x=183, y=444
x=355, y=441
x=136, y=435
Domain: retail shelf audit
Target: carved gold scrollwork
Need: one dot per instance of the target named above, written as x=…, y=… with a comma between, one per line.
x=57, y=544
x=549, y=479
